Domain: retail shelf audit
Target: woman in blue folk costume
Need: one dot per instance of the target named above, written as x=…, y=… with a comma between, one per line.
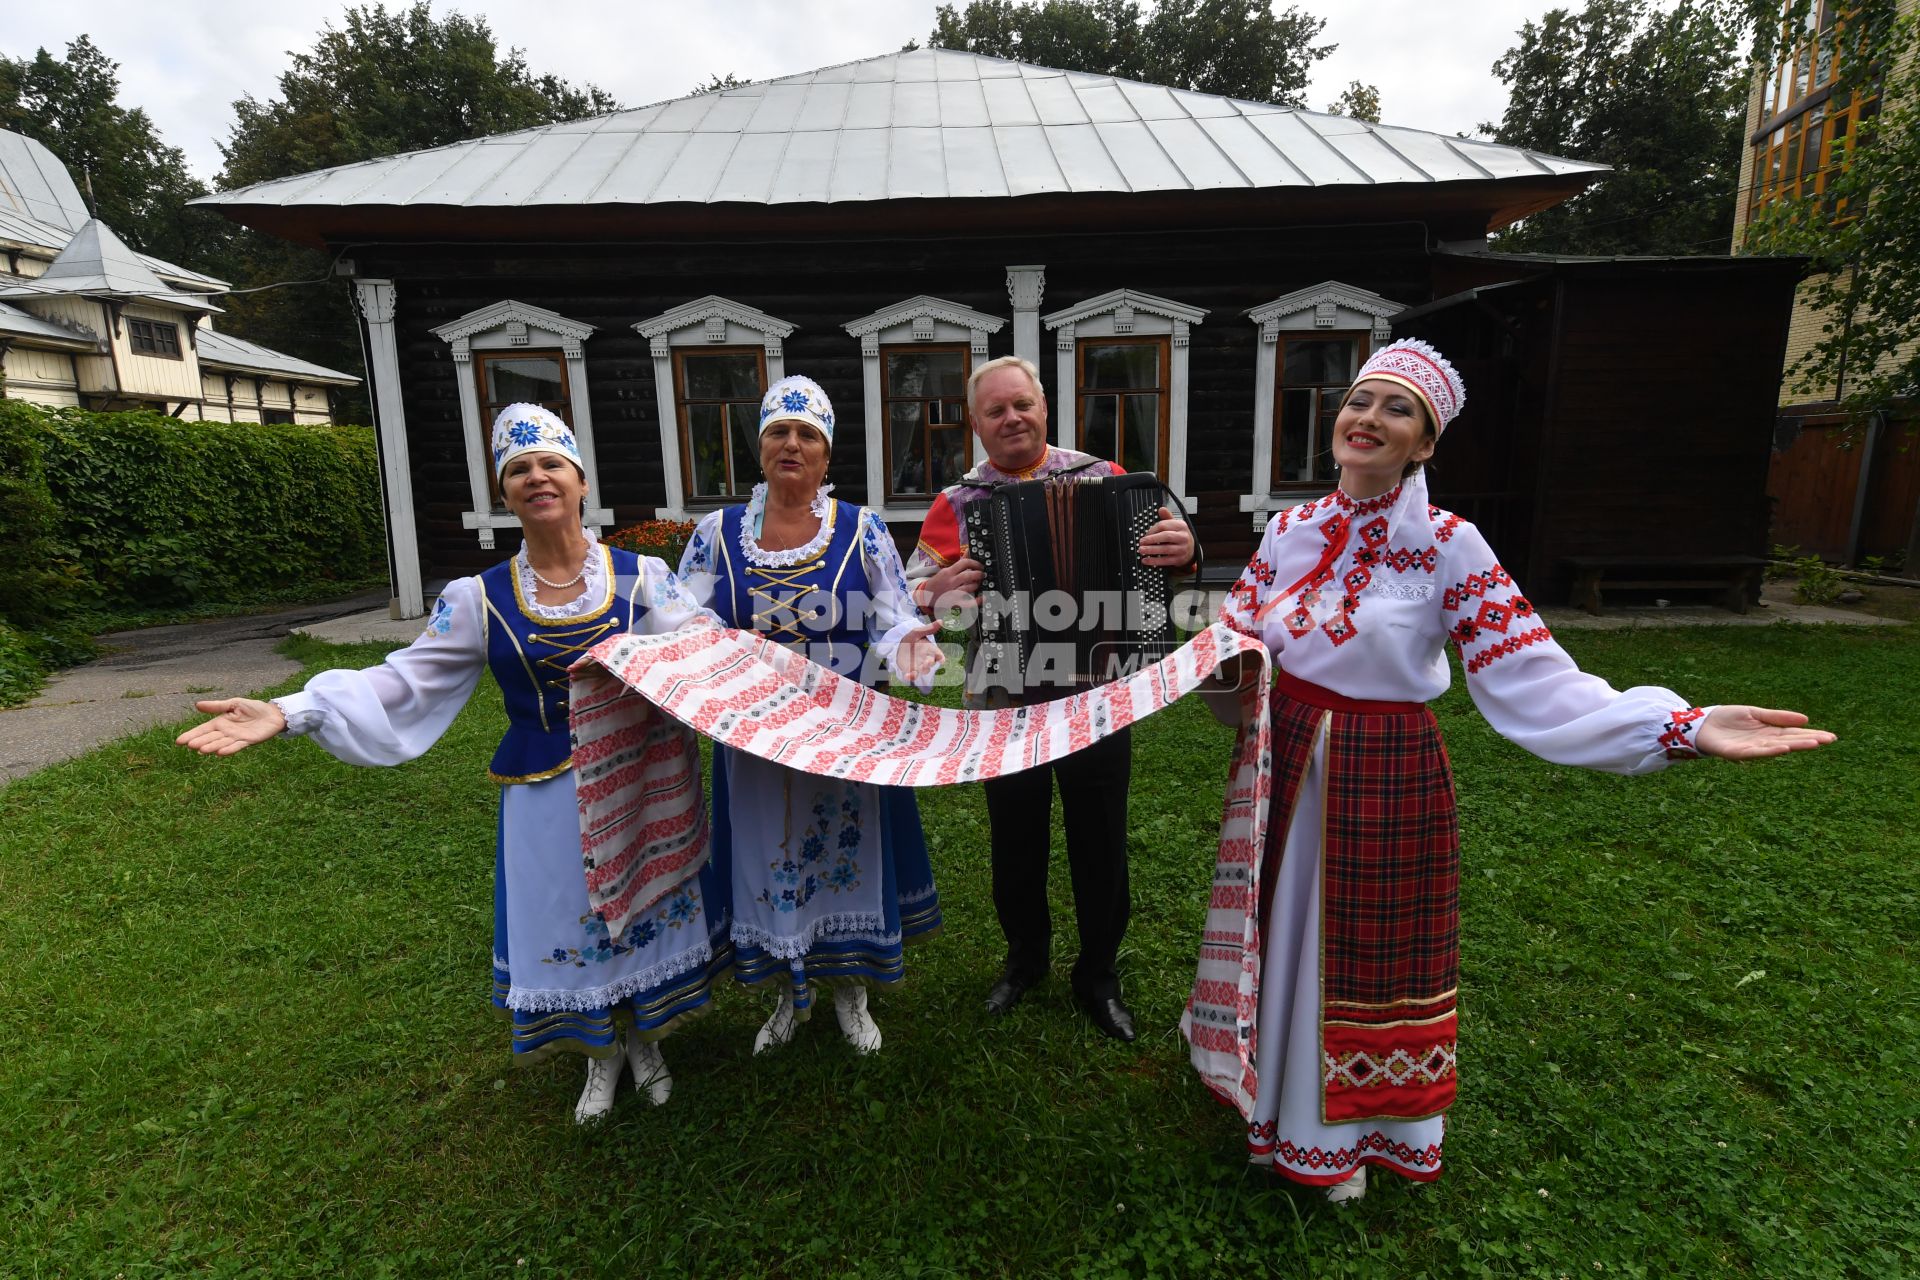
x=829, y=878
x=560, y=980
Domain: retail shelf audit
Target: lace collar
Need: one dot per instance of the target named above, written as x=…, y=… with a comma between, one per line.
x=822, y=506
x=592, y=584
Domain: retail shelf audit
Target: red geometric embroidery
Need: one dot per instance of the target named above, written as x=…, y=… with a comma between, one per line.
x=1375, y=1143
x=1494, y=616
x=1476, y=586
x=1444, y=531
x=1374, y=532
x=1356, y=580
x=1506, y=649
x=1401, y=559
x=1678, y=739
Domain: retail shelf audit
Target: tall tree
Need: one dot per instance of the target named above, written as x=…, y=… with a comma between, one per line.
x=140, y=184
x=385, y=81
x=1237, y=48
x=1862, y=233
x=1659, y=95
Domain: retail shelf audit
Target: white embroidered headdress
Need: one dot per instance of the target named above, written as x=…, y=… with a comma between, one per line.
x=798, y=399
x=1422, y=370
x=527, y=428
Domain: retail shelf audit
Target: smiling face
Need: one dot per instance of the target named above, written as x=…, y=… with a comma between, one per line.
x=1010, y=416
x=793, y=454
x=1382, y=428
x=543, y=488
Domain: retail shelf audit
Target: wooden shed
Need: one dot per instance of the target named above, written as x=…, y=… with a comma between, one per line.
x=1619, y=409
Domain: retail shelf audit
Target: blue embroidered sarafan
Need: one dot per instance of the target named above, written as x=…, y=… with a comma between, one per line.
x=529, y=657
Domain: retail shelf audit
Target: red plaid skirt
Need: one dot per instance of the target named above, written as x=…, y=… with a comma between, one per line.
x=1390, y=915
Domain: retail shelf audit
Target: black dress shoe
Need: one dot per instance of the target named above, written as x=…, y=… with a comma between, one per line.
x=1007, y=991
x=1111, y=1016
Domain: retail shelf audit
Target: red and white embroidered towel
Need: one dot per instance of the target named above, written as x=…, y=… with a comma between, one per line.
x=642, y=830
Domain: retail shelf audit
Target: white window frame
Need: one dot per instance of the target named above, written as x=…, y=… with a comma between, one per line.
x=711, y=321
x=925, y=319
x=1329, y=305
x=507, y=326
x=1119, y=314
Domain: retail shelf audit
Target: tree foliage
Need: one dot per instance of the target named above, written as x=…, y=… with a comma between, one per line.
x=1236, y=48
x=1657, y=94
x=385, y=81
x=1862, y=235
x=1358, y=102
x=140, y=184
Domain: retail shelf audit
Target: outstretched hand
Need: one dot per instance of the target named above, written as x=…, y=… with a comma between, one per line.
x=1749, y=733
x=918, y=656
x=237, y=724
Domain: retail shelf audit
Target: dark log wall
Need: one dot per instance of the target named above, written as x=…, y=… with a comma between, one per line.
x=822, y=285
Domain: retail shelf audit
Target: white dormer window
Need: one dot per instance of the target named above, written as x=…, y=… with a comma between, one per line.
x=1312, y=343
x=916, y=357
x=1120, y=384
x=712, y=361
x=511, y=353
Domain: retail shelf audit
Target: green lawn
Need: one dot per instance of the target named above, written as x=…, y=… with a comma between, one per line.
x=245, y=1031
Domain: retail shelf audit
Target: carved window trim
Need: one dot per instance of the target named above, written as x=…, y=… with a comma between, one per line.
x=711, y=321
x=511, y=326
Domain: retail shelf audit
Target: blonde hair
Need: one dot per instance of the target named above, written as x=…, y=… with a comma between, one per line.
x=1003, y=362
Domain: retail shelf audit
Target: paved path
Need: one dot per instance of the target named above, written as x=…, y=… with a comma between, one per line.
x=153, y=676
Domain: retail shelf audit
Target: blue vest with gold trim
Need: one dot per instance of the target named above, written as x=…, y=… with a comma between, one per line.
x=802, y=606
x=529, y=657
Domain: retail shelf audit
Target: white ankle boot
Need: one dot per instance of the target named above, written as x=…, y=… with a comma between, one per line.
x=603, y=1077
x=856, y=1024
x=779, y=1028
x=1351, y=1190
x=649, y=1069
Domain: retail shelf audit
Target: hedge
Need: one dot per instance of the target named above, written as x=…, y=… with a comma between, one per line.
x=111, y=514
x=121, y=511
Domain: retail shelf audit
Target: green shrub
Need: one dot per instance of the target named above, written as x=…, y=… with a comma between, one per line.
x=1814, y=582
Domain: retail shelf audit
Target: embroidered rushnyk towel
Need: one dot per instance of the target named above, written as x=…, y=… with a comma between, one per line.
x=635, y=698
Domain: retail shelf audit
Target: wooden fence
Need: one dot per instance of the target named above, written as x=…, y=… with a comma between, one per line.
x=1820, y=504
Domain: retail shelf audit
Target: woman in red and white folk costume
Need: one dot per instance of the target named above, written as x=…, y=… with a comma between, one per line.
x=1357, y=595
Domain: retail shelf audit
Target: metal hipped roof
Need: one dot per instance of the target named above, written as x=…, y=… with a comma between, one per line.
x=925, y=124
x=97, y=263
x=224, y=351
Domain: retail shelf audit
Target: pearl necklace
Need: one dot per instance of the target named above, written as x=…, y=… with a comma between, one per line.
x=559, y=586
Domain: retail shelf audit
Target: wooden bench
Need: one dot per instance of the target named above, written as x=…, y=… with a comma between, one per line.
x=1737, y=578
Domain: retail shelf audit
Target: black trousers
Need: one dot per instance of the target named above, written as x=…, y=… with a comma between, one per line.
x=1093, y=802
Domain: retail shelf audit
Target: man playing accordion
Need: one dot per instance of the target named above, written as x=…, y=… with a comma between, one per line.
x=1008, y=411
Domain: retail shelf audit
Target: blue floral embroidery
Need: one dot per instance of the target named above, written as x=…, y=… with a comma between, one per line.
x=442, y=620
x=793, y=399
x=522, y=432
x=565, y=439
x=794, y=882
x=598, y=947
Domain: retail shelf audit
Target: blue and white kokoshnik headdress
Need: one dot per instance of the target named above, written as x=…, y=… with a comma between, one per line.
x=797, y=398
x=527, y=428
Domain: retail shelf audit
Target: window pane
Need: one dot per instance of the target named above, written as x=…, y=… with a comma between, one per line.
x=948, y=459
x=909, y=462
x=1123, y=367
x=1143, y=433
x=706, y=449
x=530, y=379
x=1097, y=425
x=722, y=376
x=745, y=417
x=907, y=374
x=1324, y=361
x=1296, y=417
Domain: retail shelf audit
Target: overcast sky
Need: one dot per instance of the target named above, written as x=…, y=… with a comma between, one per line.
x=186, y=62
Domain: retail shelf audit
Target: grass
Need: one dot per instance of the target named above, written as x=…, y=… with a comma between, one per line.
x=245, y=1032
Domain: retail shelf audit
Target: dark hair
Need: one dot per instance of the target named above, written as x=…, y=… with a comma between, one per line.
x=1428, y=434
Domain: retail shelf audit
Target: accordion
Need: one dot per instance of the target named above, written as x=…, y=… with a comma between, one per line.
x=1065, y=601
